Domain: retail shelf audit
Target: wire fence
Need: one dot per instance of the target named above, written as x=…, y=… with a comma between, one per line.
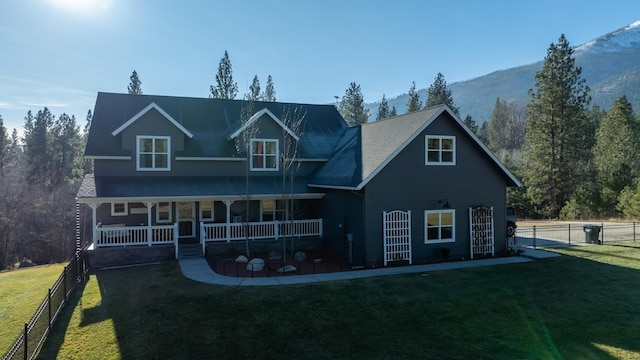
x=568, y=234
x=35, y=331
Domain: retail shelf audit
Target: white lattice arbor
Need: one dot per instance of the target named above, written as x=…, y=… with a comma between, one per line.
x=397, y=235
x=482, y=231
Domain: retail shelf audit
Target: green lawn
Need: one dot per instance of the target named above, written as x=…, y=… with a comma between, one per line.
x=585, y=305
x=21, y=292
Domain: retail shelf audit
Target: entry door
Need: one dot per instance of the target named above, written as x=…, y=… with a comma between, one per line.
x=186, y=219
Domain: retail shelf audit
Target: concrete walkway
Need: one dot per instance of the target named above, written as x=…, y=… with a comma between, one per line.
x=199, y=270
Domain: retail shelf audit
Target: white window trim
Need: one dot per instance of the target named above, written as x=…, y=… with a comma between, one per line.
x=274, y=211
x=202, y=218
x=124, y=213
x=263, y=155
x=153, y=137
x=162, y=221
x=453, y=226
x=440, y=138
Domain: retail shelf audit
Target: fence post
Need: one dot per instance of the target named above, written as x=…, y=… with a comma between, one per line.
x=64, y=283
x=602, y=233
x=569, y=234
x=49, y=307
x=26, y=337
x=634, y=231
x=534, y=236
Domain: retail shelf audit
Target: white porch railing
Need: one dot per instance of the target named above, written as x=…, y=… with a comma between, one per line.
x=122, y=235
x=259, y=230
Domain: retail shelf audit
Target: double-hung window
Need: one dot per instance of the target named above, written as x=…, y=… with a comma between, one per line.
x=440, y=150
x=439, y=226
x=153, y=153
x=163, y=212
x=206, y=210
x=264, y=155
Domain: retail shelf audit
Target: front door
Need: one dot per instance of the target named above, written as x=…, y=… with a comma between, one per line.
x=186, y=219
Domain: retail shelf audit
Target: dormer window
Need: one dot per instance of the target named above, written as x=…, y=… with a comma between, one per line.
x=264, y=155
x=440, y=150
x=153, y=153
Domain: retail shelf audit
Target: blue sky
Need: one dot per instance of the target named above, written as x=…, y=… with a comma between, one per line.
x=60, y=53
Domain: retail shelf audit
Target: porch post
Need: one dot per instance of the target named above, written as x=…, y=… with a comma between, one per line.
x=94, y=223
x=228, y=204
x=149, y=205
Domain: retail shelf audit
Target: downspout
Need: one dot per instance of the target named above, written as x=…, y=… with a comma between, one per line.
x=364, y=245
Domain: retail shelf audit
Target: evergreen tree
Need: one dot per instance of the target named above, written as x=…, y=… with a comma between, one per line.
x=4, y=146
x=383, y=109
x=617, y=151
x=352, y=106
x=471, y=124
x=254, y=90
x=87, y=167
x=66, y=151
x=438, y=94
x=37, y=142
x=225, y=87
x=414, y=103
x=134, y=84
x=556, y=120
x=269, y=91
x=393, y=112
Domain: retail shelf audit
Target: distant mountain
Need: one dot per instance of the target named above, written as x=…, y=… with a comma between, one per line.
x=610, y=65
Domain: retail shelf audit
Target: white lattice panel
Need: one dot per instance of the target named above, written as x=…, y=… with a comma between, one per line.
x=397, y=235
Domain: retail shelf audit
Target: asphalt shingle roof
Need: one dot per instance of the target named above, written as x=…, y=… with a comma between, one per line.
x=211, y=121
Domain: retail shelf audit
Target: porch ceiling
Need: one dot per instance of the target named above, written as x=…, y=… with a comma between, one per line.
x=110, y=188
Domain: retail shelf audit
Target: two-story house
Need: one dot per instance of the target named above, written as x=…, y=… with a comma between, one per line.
x=173, y=170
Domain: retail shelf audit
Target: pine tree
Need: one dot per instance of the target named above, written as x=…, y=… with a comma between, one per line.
x=617, y=151
x=269, y=91
x=556, y=129
x=352, y=106
x=4, y=146
x=438, y=94
x=393, y=112
x=225, y=87
x=471, y=124
x=87, y=164
x=254, y=90
x=37, y=142
x=134, y=86
x=383, y=109
x=414, y=103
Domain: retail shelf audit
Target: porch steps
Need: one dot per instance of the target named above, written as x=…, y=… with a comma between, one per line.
x=189, y=251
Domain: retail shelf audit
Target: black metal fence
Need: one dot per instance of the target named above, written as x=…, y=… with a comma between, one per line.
x=35, y=331
x=567, y=234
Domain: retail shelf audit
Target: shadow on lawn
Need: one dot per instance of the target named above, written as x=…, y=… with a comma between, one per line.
x=569, y=307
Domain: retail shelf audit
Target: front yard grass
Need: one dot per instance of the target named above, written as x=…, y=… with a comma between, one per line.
x=21, y=292
x=581, y=306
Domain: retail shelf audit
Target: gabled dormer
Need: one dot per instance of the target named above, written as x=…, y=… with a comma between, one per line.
x=265, y=132
x=152, y=135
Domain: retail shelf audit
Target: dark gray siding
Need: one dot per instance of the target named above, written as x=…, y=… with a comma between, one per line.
x=406, y=183
x=342, y=213
x=154, y=124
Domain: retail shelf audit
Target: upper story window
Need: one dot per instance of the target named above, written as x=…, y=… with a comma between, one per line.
x=440, y=150
x=439, y=226
x=153, y=153
x=264, y=155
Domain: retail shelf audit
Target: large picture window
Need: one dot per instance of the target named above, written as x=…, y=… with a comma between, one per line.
x=439, y=226
x=272, y=210
x=153, y=153
x=264, y=155
x=440, y=150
